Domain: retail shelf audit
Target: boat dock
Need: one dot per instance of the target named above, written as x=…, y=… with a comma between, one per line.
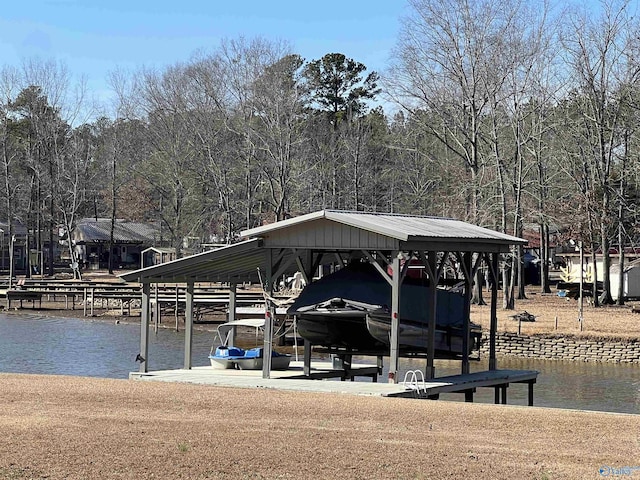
x=294, y=379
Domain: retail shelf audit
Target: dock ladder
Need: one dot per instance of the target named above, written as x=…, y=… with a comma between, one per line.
x=414, y=380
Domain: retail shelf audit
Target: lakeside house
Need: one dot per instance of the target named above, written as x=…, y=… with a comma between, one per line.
x=16, y=242
x=91, y=239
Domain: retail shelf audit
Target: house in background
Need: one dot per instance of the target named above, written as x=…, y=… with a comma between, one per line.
x=91, y=242
x=18, y=242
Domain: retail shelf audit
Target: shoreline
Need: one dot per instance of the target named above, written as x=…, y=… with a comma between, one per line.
x=556, y=346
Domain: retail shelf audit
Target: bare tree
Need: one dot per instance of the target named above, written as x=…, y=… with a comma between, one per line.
x=170, y=166
x=278, y=128
x=447, y=62
x=600, y=51
x=464, y=62
x=9, y=151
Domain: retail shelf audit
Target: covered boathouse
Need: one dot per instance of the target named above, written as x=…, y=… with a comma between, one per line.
x=390, y=242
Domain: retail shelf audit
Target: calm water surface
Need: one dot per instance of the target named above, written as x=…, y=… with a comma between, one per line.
x=561, y=384
x=67, y=346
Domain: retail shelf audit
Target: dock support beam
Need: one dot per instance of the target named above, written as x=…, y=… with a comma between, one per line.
x=268, y=318
x=188, y=327
x=467, y=260
x=232, y=312
x=493, y=275
x=144, y=328
x=468, y=396
x=306, y=369
x=395, y=318
x=500, y=396
x=530, y=386
x=432, y=290
x=177, y=307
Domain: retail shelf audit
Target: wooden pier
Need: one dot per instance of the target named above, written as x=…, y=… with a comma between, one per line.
x=294, y=379
x=92, y=295
x=499, y=380
x=21, y=296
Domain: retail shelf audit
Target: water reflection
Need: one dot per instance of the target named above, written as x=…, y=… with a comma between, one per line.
x=67, y=346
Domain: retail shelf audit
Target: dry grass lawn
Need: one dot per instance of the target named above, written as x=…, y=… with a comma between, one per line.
x=58, y=427
x=611, y=322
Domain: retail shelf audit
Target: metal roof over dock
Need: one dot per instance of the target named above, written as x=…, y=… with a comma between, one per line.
x=329, y=230
x=333, y=238
x=343, y=230
x=233, y=263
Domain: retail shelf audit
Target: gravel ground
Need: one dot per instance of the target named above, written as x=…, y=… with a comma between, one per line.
x=76, y=428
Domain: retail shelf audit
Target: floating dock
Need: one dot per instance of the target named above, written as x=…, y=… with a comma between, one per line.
x=294, y=379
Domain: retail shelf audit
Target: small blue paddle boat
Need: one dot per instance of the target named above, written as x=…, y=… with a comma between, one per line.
x=229, y=357
x=252, y=359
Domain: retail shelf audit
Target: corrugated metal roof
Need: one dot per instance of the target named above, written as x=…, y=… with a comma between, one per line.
x=160, y=250
x=92, y=230
x=238, y=263
x=401, y=227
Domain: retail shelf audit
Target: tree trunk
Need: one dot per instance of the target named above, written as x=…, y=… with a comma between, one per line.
x=544, y=259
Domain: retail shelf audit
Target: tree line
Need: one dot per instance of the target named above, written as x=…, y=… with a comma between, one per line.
x=504, y=113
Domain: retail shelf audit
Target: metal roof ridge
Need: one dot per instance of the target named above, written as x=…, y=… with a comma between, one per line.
x=390, y=214
x=365, y=224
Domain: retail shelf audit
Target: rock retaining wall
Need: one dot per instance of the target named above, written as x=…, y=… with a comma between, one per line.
x=563, y=348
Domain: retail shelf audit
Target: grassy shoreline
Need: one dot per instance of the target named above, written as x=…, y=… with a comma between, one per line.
x=72, y=427
x=59, y=427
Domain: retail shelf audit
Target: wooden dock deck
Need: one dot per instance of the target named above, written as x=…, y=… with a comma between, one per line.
x=294, y=380
x=96, y=295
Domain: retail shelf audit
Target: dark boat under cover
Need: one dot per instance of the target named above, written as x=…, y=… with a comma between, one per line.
x=351, y=309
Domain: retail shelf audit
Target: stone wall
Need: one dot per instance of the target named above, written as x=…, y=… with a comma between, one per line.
x=563, y=348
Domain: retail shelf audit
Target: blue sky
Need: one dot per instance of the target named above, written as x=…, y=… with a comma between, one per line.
x=93, y=37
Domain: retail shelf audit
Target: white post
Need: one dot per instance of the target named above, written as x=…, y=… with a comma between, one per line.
x=431, y=315
x=493, y=328
x=268, y=319
x=394, y=352
x=232, y=312
x=581, y=296
x=188, y=327
x=11, y=242
x=144, y=329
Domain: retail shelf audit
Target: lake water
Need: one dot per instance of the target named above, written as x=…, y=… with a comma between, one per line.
x=67, y=346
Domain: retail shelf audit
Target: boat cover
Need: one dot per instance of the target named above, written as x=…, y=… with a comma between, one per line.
x=361, y=283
